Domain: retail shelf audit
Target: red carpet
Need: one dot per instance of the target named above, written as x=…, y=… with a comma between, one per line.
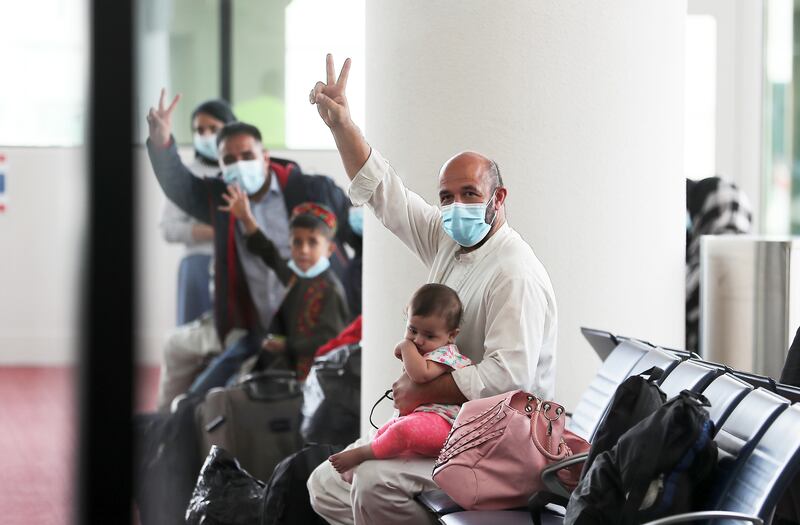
x=37, y=441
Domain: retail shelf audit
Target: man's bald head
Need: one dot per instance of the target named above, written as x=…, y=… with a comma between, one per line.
x=467, y=171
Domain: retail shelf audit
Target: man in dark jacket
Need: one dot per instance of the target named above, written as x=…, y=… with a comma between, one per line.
x=247, y=293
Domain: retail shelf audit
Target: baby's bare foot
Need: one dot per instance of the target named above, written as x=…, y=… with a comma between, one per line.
x=338, y=463
x=344, y=462
x=347, y=459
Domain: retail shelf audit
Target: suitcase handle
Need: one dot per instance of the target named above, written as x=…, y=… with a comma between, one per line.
x=271, y=385
x=287, y=375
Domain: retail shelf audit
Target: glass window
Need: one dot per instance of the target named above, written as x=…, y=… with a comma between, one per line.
x=43, y=52
x=314, y=28
x=259, y=50
x=178, y=47
x=781, y=169
x=277, y=54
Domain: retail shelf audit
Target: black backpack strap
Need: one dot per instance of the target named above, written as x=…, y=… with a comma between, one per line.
x=698, y=398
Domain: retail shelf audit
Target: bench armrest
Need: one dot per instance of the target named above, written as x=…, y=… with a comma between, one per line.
x=707, y=515
x=550, y=474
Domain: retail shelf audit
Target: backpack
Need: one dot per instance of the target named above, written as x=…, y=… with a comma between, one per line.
x=286, y=499
x=635, y=398
x=661, y=466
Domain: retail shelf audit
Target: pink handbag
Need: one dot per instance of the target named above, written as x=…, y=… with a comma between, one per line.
x=497, y=449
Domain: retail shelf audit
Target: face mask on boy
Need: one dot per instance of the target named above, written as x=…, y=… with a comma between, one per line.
x=320, y=266
x=206, y=145
x=466, y=223
x=249, y=174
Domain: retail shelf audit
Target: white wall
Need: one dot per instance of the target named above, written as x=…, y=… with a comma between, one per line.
x=581, y=105
x=41, y=237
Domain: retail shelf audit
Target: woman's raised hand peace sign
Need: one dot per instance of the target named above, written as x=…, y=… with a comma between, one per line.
x=330, y=96
x=160, y=120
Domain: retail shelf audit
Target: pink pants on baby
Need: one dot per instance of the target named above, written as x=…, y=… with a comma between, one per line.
x=421, y=433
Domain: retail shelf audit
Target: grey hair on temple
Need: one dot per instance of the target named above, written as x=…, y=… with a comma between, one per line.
x=493, y=171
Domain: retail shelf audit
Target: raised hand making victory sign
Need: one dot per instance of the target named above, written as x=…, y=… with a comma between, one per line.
x=160, y=120
x=330, y=96
x=332, y=106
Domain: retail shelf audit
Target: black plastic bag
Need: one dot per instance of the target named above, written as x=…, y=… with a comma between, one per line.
x=225, y=493
x=332, y=397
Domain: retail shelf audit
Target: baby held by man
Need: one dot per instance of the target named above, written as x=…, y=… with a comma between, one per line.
x=428, y=351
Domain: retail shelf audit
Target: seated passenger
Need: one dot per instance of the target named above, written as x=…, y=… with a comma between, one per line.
x=510, y=322
x=314, y=309
x=427, y=351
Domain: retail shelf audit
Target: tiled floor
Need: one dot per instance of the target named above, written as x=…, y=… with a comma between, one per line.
x=37, y=441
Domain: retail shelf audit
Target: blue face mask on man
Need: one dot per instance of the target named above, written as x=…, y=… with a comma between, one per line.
x=320, y=266
x=248, y=174
x=206, y=145
x=466, y=223
x=355, y=219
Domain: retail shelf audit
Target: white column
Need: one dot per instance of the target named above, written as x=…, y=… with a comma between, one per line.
x=580, y=103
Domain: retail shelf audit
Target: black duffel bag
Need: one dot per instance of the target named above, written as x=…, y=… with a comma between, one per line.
x=332, y=397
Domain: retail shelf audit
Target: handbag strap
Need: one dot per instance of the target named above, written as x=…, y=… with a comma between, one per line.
x=542, y=407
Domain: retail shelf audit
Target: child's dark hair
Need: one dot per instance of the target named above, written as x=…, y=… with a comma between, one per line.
x=312, y=223
x=437, y=299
